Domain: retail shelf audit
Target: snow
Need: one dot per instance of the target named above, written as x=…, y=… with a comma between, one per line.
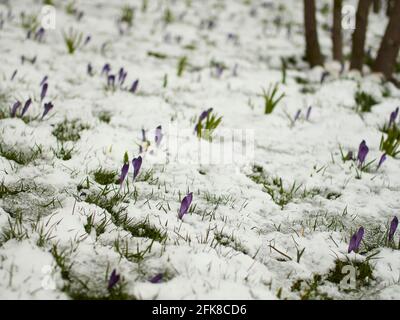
x=195, y=265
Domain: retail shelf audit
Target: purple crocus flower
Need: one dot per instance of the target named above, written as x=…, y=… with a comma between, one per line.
x=308, y=113
x=79, y=15
x=14, y=74
x=134, y=86
x=122, y=76
x=393, y=227
x=232, y=36
x=120, y=73
x=47, y=107
x=124, y=172
x=185, y=205
x=39, y=34
x=157, y=278
x=44, y=80
x=352, y=243
x=113, y=280
x=111, y=81
x=26, y=106
x=355, y=240
x=323, y=76
x=362, y=152
x=202, y=116
x=44, y=91
x=14, y=109
x=393, y=116
x=106, y=69
x=360, y=234
x=90, y=69
x=382, y=160
x=87, y=40
x=297, y=115
x=137, y=163
x=158, y=136
x=205, y=114
x=143, y=135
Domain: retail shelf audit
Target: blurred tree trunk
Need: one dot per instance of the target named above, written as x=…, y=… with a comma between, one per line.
x=313, y=51
x=337, y=31
x=389, y=6
x=386, y=59
x=377, y=6
x=359, y=34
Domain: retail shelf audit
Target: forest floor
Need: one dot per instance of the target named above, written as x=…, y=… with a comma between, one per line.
x=274, y=201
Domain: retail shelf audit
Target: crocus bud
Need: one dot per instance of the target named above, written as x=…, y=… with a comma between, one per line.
x=111, y=81
x=39, y=34
x=136, y=163
x=308, y=113
x=324, y=75
x=14, y=74
x=113, y=280
x=106, y=69
x=134, y=86
x=185, y=205
x=393, y=116
x=124, y=169
x=44, y=91
x=362, y=152
x=90, y=69
x=143, y=135
x=87, y=40
x=47, y=107
x=26, y=106
x=297, y=115
x=382, y=160
x=14, y=109
x=157, y=278
x=393, y=226
x=124, y=172
x=360, y=234
x=43, y=80
x=158, y=136
x=355, y=240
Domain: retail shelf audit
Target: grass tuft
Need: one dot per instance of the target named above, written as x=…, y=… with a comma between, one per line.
x=364, y=101
x=271, y=99
x=69, y=130
x=105, y=177
x=19, y=156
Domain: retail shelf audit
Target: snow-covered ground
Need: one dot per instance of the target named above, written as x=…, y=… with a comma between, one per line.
x=65, y=224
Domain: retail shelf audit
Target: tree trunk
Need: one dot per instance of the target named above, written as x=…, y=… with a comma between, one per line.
x=386, y=59
x=377, y=6
x=359, y=34
x=337, y=31
x=389, y=7
x=313, y=51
